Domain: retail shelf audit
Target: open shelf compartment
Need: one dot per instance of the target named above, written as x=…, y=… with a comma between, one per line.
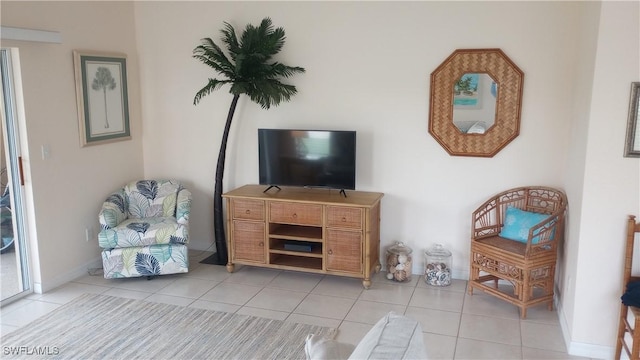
x=278, y=246
x=295, y=232
x=295, y=261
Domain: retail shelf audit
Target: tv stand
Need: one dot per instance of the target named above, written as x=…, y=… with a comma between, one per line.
x=270, y=187
x=342, y=233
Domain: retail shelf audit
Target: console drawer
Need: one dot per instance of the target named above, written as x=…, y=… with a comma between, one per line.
x=294, y=213
x=248, y=209
x=344, y=217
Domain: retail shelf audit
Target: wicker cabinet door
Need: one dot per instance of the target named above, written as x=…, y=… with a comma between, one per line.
x=248, y=241
x=344, y=251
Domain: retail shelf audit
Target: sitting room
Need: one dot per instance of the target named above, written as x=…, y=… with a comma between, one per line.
x=560, y=103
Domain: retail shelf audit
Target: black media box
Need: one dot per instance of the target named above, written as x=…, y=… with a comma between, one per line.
x=299, y=246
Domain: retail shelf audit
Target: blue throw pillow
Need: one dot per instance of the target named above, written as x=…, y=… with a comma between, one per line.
x=518, y=222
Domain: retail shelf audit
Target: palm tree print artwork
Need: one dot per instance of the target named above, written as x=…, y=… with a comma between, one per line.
x=101, y=90
x=248, y=68
x=104, y=81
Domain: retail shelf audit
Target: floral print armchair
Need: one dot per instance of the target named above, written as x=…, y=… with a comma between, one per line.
x=145, y=229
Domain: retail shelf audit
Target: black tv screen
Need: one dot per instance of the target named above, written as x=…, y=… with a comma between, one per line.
x=311, y=158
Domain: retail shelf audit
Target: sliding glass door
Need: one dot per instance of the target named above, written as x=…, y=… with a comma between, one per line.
x=15, y=279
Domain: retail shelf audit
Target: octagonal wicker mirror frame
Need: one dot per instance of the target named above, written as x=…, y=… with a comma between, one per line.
x=510, y=81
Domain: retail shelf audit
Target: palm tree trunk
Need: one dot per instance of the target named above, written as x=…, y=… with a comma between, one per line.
x=218, y=219
x=106, y=117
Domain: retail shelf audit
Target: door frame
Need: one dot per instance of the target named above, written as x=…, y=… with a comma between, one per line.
x=14, y=131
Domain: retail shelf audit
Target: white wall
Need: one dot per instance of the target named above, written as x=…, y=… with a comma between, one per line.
x=368, y=67
x=611, y=187
x=69, y=187
x=575, y=168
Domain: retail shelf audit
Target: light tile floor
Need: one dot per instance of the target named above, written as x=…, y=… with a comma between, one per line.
x=455, y=324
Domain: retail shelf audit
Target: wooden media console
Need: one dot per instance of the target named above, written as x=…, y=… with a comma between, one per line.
x=340, y=235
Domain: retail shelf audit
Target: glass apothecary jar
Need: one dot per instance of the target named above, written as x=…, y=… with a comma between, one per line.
x=399, y=262
x=437, y=266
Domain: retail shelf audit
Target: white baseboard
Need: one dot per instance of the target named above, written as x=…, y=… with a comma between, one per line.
x=418, y=269
x=575, y=348
x=62, y=279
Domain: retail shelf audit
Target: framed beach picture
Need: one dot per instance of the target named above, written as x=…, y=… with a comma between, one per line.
x=101, y=90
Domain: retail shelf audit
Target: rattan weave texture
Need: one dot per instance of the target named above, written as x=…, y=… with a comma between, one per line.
x=509, y=78
x=302, y=214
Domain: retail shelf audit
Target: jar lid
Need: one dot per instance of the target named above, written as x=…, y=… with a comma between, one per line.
x=400, y=249
x=438, y=250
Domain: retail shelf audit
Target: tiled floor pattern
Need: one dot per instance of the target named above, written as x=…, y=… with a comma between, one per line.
x=455, y=325
x=9, y=285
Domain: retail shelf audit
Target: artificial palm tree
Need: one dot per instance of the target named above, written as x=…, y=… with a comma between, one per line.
x=249, y=68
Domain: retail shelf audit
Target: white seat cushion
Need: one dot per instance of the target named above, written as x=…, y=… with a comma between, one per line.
x=392, y=337
x=322, y=348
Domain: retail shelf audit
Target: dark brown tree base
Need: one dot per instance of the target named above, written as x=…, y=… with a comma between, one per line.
x=213, y=260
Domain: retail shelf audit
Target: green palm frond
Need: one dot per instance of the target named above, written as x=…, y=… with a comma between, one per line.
x=212, y=85
x=231, y=40
x=247, y=66
x=211, y=55
x=239, y=88
x=270, y=92
x=263, y=41
x=281, y=70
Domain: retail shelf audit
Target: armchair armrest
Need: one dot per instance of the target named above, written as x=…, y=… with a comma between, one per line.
x=543, y=231
x=183, y=206
x=484, y=221
x=544, y=235
x=114, y=210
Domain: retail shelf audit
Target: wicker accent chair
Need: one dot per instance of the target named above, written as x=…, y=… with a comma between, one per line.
x=624, y=324
x=527, y=261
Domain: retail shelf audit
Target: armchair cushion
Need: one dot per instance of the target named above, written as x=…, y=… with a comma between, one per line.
x=145, y=212
x=152, y=198
x=517, y=224
x=145, y=261
x=142, y=232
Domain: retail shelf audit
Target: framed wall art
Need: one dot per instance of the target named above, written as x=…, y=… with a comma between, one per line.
x=632, y=146
x=101, y=89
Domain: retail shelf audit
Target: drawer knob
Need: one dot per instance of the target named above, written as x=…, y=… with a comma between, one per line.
x=344, y=219
x=295, y=215
x=330, y=252
x=261, y=244
x=247, y=212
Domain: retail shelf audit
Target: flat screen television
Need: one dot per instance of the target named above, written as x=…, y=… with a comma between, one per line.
x=309, y=158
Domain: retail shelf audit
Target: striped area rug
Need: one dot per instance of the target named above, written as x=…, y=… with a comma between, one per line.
x=106, y=327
